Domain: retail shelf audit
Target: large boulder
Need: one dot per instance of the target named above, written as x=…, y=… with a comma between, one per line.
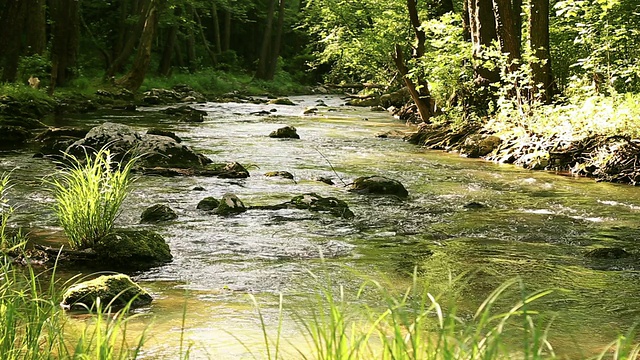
x=287, y=132
x=133, y=249
x=112, y=290
x=229, y=205
x=124, y=141
x=158, y=213
x=55, y=141
x=315, y=202
x=379, y=185
x=479, y=145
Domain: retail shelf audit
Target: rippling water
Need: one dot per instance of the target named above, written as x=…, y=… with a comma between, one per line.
x=536, y=225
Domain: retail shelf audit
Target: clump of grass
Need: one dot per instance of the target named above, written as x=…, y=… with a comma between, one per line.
x=8, y=242
x=89, y=195
x=34, y=326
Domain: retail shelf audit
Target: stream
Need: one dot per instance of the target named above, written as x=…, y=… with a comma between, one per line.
x=535, y=225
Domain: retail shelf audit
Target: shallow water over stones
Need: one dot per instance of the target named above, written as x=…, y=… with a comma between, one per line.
x=535, y=225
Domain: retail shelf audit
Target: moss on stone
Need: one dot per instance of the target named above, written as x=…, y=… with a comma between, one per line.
x=115, y=290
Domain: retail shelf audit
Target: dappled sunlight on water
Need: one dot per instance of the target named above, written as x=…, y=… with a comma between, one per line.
x=535, y=225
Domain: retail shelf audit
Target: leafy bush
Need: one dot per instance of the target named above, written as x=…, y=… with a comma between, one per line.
x=89, y=195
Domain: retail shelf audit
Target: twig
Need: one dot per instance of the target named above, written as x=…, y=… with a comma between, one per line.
x=332, y=168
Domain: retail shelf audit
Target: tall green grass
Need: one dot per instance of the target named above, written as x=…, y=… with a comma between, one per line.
x=89, y=195
x=34, y=326
x=416, y=325
x=8, y=242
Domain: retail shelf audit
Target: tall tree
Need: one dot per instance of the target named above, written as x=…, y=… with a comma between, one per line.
x=36, y=36
x=134, y=78
x=507, y=33
x=420, y=93
x=11, y=24
x=539, y=43
x=275, y=48
x=483, y=33
x=263, y=61
x=66, y=35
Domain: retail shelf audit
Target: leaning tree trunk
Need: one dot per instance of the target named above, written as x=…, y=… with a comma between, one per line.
x=539, y=42
x=128, y=47
x=134, y=78
x=275, y=51
x=261, y=73
x=216, y=28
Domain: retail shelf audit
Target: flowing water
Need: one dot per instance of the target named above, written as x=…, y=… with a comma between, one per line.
x=536, y=226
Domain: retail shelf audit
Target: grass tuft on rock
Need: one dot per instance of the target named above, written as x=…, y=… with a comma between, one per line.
x=89, y=195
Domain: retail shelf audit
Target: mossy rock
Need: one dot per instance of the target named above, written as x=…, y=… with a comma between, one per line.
x=230, y=205
x=379, y=185
x=208, y=204
x=282, y=174
x=158, y=213
x=13, y=135
x=287, y=132
x=281, y=101
x=115, y=290
x=133, y=249
x=374, y=101
x=315, y=202
x=160, y=132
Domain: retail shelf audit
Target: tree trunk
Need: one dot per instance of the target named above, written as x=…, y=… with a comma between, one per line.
x=66, y=34
x=539, y=43
x=11, y=25
x=227, y=31
x=275, y=51
x=216, y=28
x=264, y=59
x=36, y=34
x=169, y=45
x=191, y=45
x=483, y=33
x=507, y=33
x=422, y=102
x=134, y=78
x=417, y=27
x=134, y=34
x=205, y=42
x=466, y=26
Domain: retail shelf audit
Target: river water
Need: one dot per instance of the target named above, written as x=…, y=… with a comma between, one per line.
x=535, y=225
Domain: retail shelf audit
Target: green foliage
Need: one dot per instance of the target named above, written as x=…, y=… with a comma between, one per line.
x=89, y=195
x=34, y=65
x=604, y=41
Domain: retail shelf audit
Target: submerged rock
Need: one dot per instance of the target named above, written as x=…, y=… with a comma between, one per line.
x=474, y=205
x=113, y=290
x=287, y=132
x=607, y=253
x=315, y=202
x=324, y=179
x=379, y=185
x=281, y=101
x=158, y=213
x=208, y=204
x=282, y=174
x=160, y=132
x=132, y=249
x=229, y=205
x=186, y=113
x=232, y=170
